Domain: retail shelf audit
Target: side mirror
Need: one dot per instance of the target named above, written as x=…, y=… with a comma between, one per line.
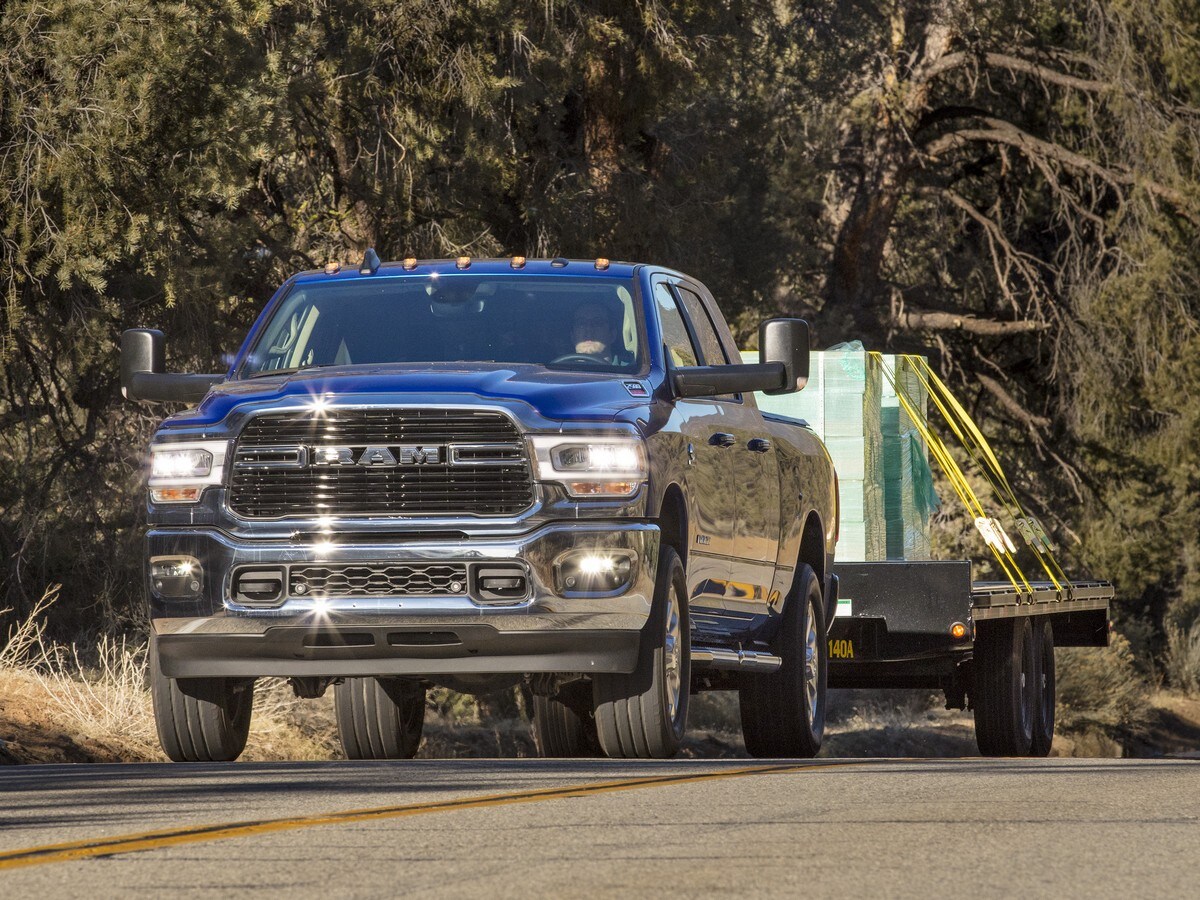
x=143, y=371
x=782, y=367
x=786, y=341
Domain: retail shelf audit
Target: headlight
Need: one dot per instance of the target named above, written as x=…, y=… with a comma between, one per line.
x=194, y=462
x=600, y=466
x=179, y=473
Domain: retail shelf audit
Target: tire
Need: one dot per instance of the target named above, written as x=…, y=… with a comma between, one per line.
x=563, y=730
x=200, y=719
x=1044, y=689
x=1003, y=673
x=643, y=715
x=783, y=712
x=379, y=718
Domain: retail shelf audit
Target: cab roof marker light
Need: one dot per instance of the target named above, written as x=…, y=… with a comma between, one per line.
x=558, y=262
x=370, y=263
x=602, y=263
x=410, y=263
x=518, y=262
x=332, y=268
x=463, y=262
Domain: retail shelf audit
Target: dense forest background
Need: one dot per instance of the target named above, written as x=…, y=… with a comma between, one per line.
x=1011, y=187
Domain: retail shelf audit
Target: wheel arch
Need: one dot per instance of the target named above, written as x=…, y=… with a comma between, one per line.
x=812, y=553
x=673, y=521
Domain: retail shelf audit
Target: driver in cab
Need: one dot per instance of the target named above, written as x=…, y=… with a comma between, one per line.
x=596, y=334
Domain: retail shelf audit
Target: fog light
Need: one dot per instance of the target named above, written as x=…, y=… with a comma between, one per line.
x=594, y=572
x=176, y=576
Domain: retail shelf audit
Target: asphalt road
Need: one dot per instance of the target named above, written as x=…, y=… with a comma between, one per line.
x=521, y=828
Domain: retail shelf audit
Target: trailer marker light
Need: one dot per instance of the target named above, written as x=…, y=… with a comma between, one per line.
x=958, y=631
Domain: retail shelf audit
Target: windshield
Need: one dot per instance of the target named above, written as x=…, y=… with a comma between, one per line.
x=562, y=322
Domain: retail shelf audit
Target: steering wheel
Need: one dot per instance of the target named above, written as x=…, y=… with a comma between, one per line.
x=581, y=358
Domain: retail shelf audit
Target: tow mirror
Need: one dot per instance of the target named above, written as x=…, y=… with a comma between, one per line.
x=143, y=375
x=782, y=367
x=785, y=341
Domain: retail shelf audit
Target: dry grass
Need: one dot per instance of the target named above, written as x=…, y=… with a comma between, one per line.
x=96, y=700
x=1101, y=690
x=1181, y=661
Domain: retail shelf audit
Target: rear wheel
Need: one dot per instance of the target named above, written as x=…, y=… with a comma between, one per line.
x=563, y=728
x=1043, y=720
x=643, y=715
x=200, y=719
x=379, y=718
x=1004, y=674
x=783, y=713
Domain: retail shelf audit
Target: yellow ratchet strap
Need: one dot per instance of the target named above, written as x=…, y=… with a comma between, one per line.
x=985, y=460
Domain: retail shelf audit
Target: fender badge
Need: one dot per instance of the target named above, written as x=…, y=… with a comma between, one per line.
x=636, y=389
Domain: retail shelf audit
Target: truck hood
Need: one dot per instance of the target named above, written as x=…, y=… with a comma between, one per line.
x=555, y=395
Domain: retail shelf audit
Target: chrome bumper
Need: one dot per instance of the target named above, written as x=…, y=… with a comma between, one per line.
x=211, y=635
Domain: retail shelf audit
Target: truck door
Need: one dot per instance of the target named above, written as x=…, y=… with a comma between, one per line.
x=755, y=474
x=712, y=511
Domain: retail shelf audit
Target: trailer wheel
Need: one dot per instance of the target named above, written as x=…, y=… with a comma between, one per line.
x=1003, y=676
x=563, y=730
x=200, y=719
x=1044, y=688
x=642, y=715
x=783, y=713
x=379, y=718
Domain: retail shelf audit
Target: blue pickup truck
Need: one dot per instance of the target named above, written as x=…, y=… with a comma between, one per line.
x=473, y=473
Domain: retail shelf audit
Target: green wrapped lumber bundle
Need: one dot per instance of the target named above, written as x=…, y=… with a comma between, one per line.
x=909, y=499
x=886, y=490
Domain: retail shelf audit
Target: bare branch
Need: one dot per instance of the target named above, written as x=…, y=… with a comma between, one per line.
x=914, y=319
x=998, y=131
x=997, y=241
x=1010, y=404
x=952, y=61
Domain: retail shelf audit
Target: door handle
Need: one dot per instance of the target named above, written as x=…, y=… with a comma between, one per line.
x=759, y=445
x=722, y=439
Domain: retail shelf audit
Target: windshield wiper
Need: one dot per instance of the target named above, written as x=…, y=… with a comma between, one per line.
x=289, y=371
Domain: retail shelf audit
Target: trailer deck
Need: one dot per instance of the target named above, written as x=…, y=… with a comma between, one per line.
x=896, y=621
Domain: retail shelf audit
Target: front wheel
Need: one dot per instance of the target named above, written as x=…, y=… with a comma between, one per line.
x=379, y=718
x=562, y=727
x=783, y=712
x=643, y=715
x=200, y=719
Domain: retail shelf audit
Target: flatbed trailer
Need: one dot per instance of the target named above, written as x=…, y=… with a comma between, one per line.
x=987, y=645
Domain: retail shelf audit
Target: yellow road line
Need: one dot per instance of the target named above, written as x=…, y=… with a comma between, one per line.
x=173, y=837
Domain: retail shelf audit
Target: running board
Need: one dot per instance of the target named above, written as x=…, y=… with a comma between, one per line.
x=735, y=660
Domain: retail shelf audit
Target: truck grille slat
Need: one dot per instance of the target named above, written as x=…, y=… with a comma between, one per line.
x=481, y=466
x=377, y=580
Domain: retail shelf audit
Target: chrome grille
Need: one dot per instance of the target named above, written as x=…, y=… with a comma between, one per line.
x=377, y=580
x=474, y=463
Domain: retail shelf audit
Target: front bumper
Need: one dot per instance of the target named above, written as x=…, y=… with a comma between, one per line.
x=211, y=635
